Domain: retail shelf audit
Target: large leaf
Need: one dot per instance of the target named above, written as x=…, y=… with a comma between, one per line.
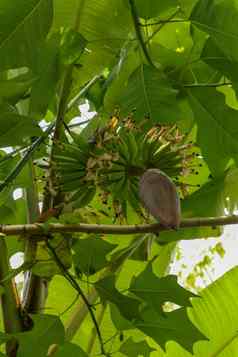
x=64, y=13
x=150, y=8
x=217, y=127
x=15, y=129
x=217, y=307
x=23, y=26
x=70, y=350
x=219, y=18
x=61, y=295
x=13, y=89
x=217, y=59
x=95, y=259
x=161, y=327
x=148, y=93
x=47, y=330
x=128, y=306
x=191, y=233
x=10, y=212
x=119, y=75
x=135, y=349
x=187, y=6
x=46, y=69
x=222, y=193
x=175, y=326
x=156, y=291
x=98, y=20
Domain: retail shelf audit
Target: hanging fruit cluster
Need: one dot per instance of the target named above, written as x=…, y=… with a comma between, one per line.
x=112, y=161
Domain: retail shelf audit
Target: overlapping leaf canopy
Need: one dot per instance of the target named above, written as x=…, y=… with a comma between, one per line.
x=162, y=78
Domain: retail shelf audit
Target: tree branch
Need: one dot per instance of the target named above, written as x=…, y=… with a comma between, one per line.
x=39, y=228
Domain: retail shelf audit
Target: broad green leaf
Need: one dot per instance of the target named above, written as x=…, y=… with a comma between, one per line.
x=120, y=322
x=230, y=193
x=197, y=204
x=135, y=349
x=73, y=45
x=187, y=6
x=113, y=66
x=214, y=56
x=149, y=93
x=179, y=54
x=95, y=23
x=45, y=265
x=128, y=306
x=93, y=62
x=191, y=233
x=155, y=291
x=217, y=127
x=119, y=76
x=46, y=69
x=16, y=129
x=12, y=89
x=95, y=259
x=150, y=8
x=17, y=214
x=175, y=37
x=70, y=350
x=164, y=257
x=217, y=307
x=61, y=296
x=12, y=211
x=217, y=59
x=95, y=94
x=4, y=337
x=218, y=18
x=64, y=13
x=222, y=193
x=23, y=26
x=218, y=303
x=175, y=326
x=113, y=55
x=47, y=330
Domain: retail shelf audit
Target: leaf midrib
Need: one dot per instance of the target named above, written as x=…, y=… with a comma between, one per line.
x=20, y=24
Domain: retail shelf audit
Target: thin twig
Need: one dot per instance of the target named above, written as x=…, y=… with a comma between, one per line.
x=76, y=286
x=163, y=22
x=135, y=18
x=21, y=164
x=83, y=92
x=162, y=25
x=80, y=312
x=94, y=332
x=215, y=85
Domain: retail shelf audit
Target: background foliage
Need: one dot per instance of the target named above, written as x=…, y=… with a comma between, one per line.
x=162, y=79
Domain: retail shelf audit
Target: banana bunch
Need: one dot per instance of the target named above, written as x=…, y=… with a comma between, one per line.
x=113, y=162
